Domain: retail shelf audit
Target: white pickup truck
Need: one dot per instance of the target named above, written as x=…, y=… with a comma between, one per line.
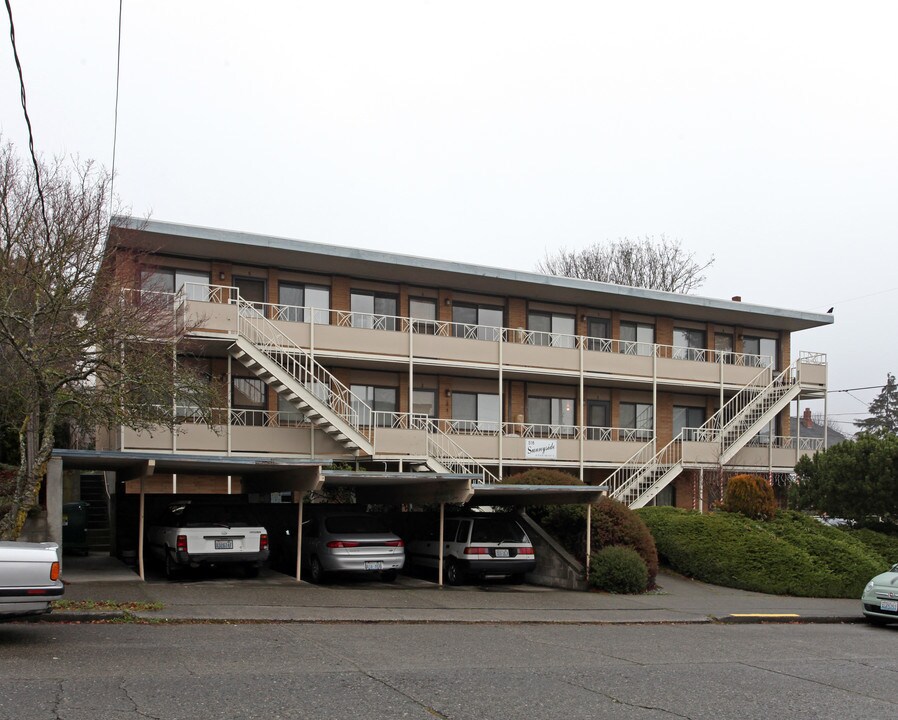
x=192, y=535
x=29, y=578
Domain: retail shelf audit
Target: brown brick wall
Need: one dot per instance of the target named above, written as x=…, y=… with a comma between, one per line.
x=516, y=401
x=664, y=331
x=516, y=313
x=340, y=293
x=444, y=308
x=664, y=418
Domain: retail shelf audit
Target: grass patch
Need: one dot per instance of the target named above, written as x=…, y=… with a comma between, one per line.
x=790, y=555
x=107, y=605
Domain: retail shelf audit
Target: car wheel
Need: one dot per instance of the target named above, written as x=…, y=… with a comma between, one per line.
x=389, y=575
x=454, y=574
x=316, y=571
x=172, y=571
x=251, y=570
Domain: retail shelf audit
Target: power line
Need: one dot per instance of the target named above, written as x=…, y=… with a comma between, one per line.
x=118, y=66
x=848, y=390
x=862, y=297
x=37, y=171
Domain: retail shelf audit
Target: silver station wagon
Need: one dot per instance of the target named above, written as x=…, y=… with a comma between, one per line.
x=478, y=546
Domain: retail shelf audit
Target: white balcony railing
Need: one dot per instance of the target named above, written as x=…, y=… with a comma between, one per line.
x=486, y=333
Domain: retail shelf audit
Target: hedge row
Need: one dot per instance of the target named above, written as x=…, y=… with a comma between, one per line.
x=790, y=555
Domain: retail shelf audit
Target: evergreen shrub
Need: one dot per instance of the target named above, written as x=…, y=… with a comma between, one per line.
x=750, y=495
x=618, y=569
x=790, y=555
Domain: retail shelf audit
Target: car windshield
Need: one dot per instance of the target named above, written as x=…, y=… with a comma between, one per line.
x=354, y=524
x=215, y=516
x=497, y=530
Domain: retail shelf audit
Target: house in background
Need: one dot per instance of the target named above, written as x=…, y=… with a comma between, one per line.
x=407, y=365
x=811, y=427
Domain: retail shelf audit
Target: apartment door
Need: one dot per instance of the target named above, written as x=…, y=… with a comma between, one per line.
x=252, y=291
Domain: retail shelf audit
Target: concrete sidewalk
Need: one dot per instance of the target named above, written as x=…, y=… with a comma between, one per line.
x=274, y=597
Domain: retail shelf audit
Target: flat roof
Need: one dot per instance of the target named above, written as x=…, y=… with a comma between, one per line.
x=274, y=474
x=259, y=474
x=500, y=494
x=264, y=250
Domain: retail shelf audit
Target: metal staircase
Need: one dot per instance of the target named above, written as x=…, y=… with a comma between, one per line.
x=325, y=401
x=644, y=475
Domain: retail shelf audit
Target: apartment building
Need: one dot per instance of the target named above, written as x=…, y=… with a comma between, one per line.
x=404, y=364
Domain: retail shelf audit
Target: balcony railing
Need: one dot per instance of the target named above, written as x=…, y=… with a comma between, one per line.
x=419, y=421
x=485, y=333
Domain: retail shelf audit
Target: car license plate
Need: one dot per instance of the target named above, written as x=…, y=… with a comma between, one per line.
x=224, y=544
x=374, y=565
x=889, y=605
x=502, y=552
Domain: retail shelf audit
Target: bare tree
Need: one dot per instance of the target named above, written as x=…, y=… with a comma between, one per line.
x=660, y=264
x=76, y=347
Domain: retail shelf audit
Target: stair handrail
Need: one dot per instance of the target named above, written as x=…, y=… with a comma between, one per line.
x=458, y=460
x=785, y=380
x=300, y=364
x=626, y=476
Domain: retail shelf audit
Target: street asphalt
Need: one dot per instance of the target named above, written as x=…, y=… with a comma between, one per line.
x=274, y=597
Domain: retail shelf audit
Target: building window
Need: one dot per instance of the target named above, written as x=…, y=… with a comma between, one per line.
x=637, y=338
x=423, y=313
x=304, y=303
x=598, y=335
x=373, y=310
x=424, y=402
x=550, y=414
x=723, y=344
x=639, y=418
x=378, y=399
x=763, y=349
x=288, y=414
x=598, y=420
x=689, y=344
x=477, y=322
x=475, y=412
x=687, y=419
x=248, y=395
x=552, y=329
x=195, y=284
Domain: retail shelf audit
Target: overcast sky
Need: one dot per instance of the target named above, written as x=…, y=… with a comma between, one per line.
x=764, y=134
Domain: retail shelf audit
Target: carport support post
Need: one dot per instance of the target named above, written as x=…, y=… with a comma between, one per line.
x=299, y=538
x=588, y=536
x=140, y=530
x=440, y=564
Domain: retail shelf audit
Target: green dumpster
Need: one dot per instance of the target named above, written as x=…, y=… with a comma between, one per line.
x=74, y=528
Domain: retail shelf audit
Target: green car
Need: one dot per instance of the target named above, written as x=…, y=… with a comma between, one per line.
x=880, y=598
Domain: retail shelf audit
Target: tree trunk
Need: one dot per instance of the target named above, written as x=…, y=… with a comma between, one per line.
x=32, y=468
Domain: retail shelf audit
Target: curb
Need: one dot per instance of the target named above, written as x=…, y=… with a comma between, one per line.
x=83, y=616
x=88, y=616
x=788, y=619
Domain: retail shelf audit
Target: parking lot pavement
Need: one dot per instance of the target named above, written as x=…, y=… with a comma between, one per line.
x=274, y=597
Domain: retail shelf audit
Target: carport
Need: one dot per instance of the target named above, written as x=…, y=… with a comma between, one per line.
x=257, y=474
x=433, y=489
x=300, y=476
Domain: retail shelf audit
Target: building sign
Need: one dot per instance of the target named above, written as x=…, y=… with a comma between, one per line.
x=542, y=449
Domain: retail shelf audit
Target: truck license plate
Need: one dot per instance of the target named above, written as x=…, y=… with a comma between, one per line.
x=224, y=544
